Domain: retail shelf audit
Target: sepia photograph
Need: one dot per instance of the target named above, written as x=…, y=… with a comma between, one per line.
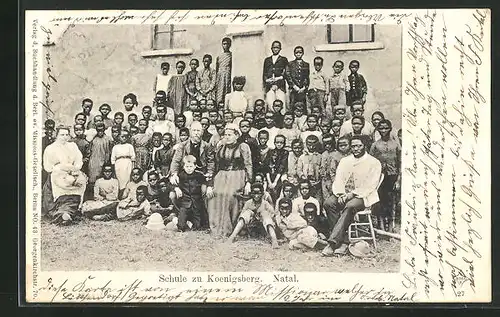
x=177, y=147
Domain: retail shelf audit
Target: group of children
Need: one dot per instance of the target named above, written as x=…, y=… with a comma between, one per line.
x=295, y=149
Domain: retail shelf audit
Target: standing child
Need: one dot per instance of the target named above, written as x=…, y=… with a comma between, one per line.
x=223, y=65
x=278, y=117
x=87, y=105
x=299, y=111
x=271, y=129
x=105, y=110
x=205, y=124
x=237, y=101
x=256, y=210
x=326, y=173
x=263, y=151
x=206, y=79
x=388, y=152
x=189, y=196
x=276, y=165
x=162, y=80
x=311, y=128
x=293, y=158
x=259, y=114
x=318, y=86
x=105, y=194
x=176, y=93
x=297, y=75
x=142, y=145
x=163, y=157
x=289, y=130
x=123, y=158
x=308, y=165
x=48, y=138
x=83, y=145
x=336, y=125
x=357, y=85
x=190, y=82
x=338, y=85
x=358, y=123
x=130, y=105
x=100, y=153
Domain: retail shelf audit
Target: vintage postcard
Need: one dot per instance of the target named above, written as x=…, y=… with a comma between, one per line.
x=258, y=156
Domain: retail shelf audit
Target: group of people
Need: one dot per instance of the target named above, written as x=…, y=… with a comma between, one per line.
x=297, y=165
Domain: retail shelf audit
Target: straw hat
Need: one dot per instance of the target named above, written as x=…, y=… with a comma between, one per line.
x=155, y=222
x=360, y=249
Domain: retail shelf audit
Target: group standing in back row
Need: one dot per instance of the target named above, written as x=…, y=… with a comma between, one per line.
x=205, y=158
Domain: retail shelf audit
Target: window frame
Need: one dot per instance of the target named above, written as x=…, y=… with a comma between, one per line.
x=351, y=30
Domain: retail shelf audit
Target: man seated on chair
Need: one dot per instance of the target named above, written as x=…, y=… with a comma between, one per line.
x=364, y=171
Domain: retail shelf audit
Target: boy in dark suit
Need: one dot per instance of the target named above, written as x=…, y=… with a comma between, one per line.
x=297, y=76
x=273, y=75
x=189, y=196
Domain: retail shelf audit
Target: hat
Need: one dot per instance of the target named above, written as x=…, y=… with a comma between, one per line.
x=360, y=249
x=155, y=222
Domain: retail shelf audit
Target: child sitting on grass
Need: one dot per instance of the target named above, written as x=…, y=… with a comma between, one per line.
x=256, y=210
x=297, y=230
x=105, y=194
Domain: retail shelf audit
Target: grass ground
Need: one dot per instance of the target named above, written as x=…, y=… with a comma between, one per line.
x=115, y=246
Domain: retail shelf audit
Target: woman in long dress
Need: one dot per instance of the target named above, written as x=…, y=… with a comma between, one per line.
x=233, y=163
x=65, y=186
x=123, y=158
x=223, y=67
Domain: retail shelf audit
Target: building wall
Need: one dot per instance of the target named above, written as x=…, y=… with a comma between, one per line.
x=104, y=62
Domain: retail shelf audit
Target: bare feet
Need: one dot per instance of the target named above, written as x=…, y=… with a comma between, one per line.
x=275, y=244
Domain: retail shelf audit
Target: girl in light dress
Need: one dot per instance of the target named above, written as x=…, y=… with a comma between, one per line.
x=123, y=158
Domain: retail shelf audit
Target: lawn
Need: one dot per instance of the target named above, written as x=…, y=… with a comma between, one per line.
x=115, y=246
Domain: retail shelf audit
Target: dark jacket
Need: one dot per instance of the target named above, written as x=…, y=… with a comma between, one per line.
x=297, y=74
x=206, y=157
x=277, y=69
x=190, y=186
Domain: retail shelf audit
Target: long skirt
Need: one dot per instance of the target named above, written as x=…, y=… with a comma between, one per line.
x=224, y=208
x=66, y=204
x=123, y=168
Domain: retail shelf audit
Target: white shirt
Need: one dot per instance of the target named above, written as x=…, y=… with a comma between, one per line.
x=164, y=126
x=299, y=203
x=275, y=58
x=365, y=171
x=346, y=127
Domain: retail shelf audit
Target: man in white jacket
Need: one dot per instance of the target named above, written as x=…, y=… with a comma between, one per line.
x=364, y=171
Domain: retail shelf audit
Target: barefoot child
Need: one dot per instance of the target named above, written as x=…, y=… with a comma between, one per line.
x=129, y=209
x=256, y=210
x=123, y=158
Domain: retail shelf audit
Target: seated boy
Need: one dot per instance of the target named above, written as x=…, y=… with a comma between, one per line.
x=163, y=204
x=127, y=209
x=304, y=197
x=296, y=229
x=189, y=194
x=256, y=210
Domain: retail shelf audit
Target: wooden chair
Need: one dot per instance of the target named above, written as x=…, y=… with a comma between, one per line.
x=362, y=227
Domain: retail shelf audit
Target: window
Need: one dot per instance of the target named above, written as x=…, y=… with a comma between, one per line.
x=168, y=40
x=166, y=36
x=350, y=33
